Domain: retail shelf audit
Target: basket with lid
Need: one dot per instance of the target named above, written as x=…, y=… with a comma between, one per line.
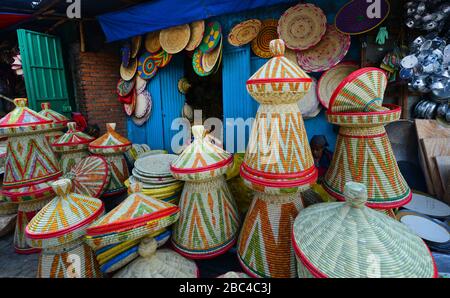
x=59, y=122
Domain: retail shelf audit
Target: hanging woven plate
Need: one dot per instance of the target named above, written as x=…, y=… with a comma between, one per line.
x=127, y=73
x=90, y=176
x=211, y=38
x=147, y=67
x=125, y=53
x=197, y=62
x=268, y=32
x=308, y=105
x=140, y=84
x=330, y=79
x=141, y=121
x=209, y=60
x=135, y=45
x=143, y=101
x=183, y=85
x=124, y=88
x=302, y=26
x=173, y=40
x=152, y=43
x=327, y=53
x=197, y=31
x=161, y=58
x=291, y=55
x=244, y=32
x=129, y=108
x=126, y=99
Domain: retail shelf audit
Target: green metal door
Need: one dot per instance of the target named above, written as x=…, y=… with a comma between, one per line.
x=43, y=71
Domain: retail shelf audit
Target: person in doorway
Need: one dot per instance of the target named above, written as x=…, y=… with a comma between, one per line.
x=322, y=156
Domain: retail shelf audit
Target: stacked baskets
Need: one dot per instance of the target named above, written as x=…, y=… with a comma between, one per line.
x=153, y=171
x=363, y=152
x=59, y=229
x=346, y=240
x=115, y=235
x=209, y=218
x=278, y=164
x=72, y=146
x=112, y=146
x=30, y=164
x=59, y=122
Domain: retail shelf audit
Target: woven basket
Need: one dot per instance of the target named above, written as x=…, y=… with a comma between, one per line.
x=197, y=30
x=209, y=219
x=72, y=260
x=264, y=245
x=59, y=120
x=110, y=143
x=152, y=43
x=244, y=32
x=364, y=154
x=350, y=240
x=368, y=119
x=118, y=169
x=173, y=40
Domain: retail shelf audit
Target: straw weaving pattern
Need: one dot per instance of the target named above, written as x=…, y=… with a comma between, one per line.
x=264, y=245
x=209, y=219
x=118, y=172
x=366, y=119
x=59, y=120
x=69, y=159
x=90, y=176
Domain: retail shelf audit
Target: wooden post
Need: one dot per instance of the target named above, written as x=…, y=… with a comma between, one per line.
x=82, y=40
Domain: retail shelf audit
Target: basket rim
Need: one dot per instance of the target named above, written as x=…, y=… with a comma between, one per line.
x=211, y=167
x=393, y=108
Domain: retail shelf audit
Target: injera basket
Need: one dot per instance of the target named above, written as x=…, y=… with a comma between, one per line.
x=209, y=219
x=302, y=26
x=110, y=143
x=71, y=260
x=135, y=217
x=361, y=91
x=59, y=121
x=363, y=154
x=154, y=263
x=201, y=160
x=350, y=240
x=264, y=245
x=173, y=40
x=330, y=79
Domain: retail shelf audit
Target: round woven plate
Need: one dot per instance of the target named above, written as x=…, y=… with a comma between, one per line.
x=141, y=121
x=197, y=62
x=210, y=59
x=155, y=165
x=129, y=108
x=147, y=67
x=173, y=40
x=125, y=52
x=126, y=99
x=140, y=84
x=90, y=176
x=291, y=55
x=150, y=180
x=309, y=103
x=183, y=85
x=327, y=53
x=161, y=58
x=244, y=32
x=267, y=33
x=302, y=26
x=197, y=31
x=135, y=45
x=143, y=101
x=330, y=79
x=127, y=73
x=124, y=88
x=425, y=227
x=152, y=43
x=154, y=186
x=213, y=33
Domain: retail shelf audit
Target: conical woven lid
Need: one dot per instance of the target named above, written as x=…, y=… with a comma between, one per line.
x=23, y=118
x=162, y=263
x=351, y=240
x=279, y=78
x=58, y=119
x=136, y=211
x=201, y=155
x=110, y=141
x=72, y=138
x=66, y=213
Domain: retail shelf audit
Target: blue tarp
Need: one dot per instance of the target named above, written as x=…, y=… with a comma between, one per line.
x=161, y=14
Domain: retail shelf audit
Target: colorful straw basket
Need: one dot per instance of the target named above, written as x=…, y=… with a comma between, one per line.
x=139, y=215
x=59, y=229
x=153, y=263
x=73, y=147
x=112, y=146
x=346, y=240
x=59, y=122
x=264, y=245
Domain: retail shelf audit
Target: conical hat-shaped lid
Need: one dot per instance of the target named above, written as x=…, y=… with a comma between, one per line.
x=279, y=80
x=136, y=211
x=351, y=240
x=58, y=119
x=23, y=119
x=73, y=139
x=110, y=142
x=200, y=156
x=162, y=263
x=68, y=213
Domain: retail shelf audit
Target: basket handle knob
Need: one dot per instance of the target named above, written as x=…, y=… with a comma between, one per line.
x=147, y=247
x=62, y=187
x=355, y=194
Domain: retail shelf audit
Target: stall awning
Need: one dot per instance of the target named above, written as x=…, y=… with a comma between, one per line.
x=160, y=14
x=7, y=19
